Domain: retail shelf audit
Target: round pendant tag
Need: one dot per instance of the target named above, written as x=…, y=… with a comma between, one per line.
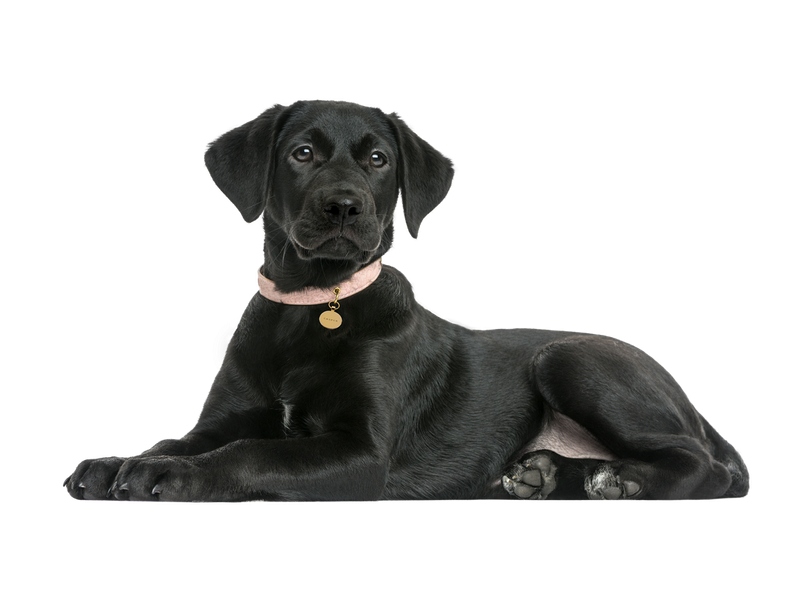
x=330, y=319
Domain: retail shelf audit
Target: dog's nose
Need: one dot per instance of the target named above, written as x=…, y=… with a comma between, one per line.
x=343, y=211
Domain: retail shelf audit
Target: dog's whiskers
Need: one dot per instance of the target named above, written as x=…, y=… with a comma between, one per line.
x=280, y=260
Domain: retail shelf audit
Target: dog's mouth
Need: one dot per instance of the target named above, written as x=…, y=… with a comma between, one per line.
x=336, y=245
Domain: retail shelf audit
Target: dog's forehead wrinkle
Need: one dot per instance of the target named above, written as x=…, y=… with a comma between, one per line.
x=353, y=139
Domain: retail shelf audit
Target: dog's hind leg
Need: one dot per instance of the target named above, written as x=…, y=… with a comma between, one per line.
x=543, y=474
x=663, y=449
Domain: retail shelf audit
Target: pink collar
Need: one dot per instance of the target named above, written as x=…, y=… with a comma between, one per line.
x=307, y=296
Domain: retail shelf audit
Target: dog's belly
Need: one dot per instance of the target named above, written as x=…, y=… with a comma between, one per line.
x=564, y=436
x=567, y=438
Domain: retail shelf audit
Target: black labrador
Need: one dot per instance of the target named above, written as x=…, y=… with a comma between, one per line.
x=337, y=385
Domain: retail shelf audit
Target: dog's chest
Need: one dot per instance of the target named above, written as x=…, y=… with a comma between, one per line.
x=300, y=418
x=293, y=420
x=303, y=401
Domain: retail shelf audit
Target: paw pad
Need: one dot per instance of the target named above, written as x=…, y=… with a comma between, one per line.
x=531, y=478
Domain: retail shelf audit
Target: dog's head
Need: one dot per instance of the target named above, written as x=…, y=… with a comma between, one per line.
x=326, y=175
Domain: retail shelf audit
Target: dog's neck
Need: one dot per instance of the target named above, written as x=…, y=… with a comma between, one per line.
x=360, y=280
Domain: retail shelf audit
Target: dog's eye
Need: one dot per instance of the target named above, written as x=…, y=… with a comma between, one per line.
x=377, y=159
x=303, y=154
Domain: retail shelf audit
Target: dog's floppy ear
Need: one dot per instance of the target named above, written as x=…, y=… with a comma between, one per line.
x=240, y=162
x=425, y=174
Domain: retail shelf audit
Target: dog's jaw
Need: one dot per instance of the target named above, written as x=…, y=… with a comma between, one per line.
x=293, y=267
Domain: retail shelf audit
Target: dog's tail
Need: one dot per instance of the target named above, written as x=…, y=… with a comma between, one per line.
x=728, y=456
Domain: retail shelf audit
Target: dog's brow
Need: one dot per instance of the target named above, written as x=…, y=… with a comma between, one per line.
x=365, y=145
x=320, y=141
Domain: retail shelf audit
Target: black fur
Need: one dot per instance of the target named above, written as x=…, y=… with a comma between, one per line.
x=397, y=403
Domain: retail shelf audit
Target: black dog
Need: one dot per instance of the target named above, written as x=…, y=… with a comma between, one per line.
x=341, y=387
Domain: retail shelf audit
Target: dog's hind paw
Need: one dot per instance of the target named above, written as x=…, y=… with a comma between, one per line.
x=532, y=478
x=606, y=484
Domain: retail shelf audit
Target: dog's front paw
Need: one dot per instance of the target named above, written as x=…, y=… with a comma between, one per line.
x=532, y=478
x=93, y=478
x=170, y=478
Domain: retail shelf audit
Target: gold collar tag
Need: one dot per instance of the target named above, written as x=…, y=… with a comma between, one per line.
x=330, y=319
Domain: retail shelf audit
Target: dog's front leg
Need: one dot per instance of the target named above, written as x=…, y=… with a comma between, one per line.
x=332, y=466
